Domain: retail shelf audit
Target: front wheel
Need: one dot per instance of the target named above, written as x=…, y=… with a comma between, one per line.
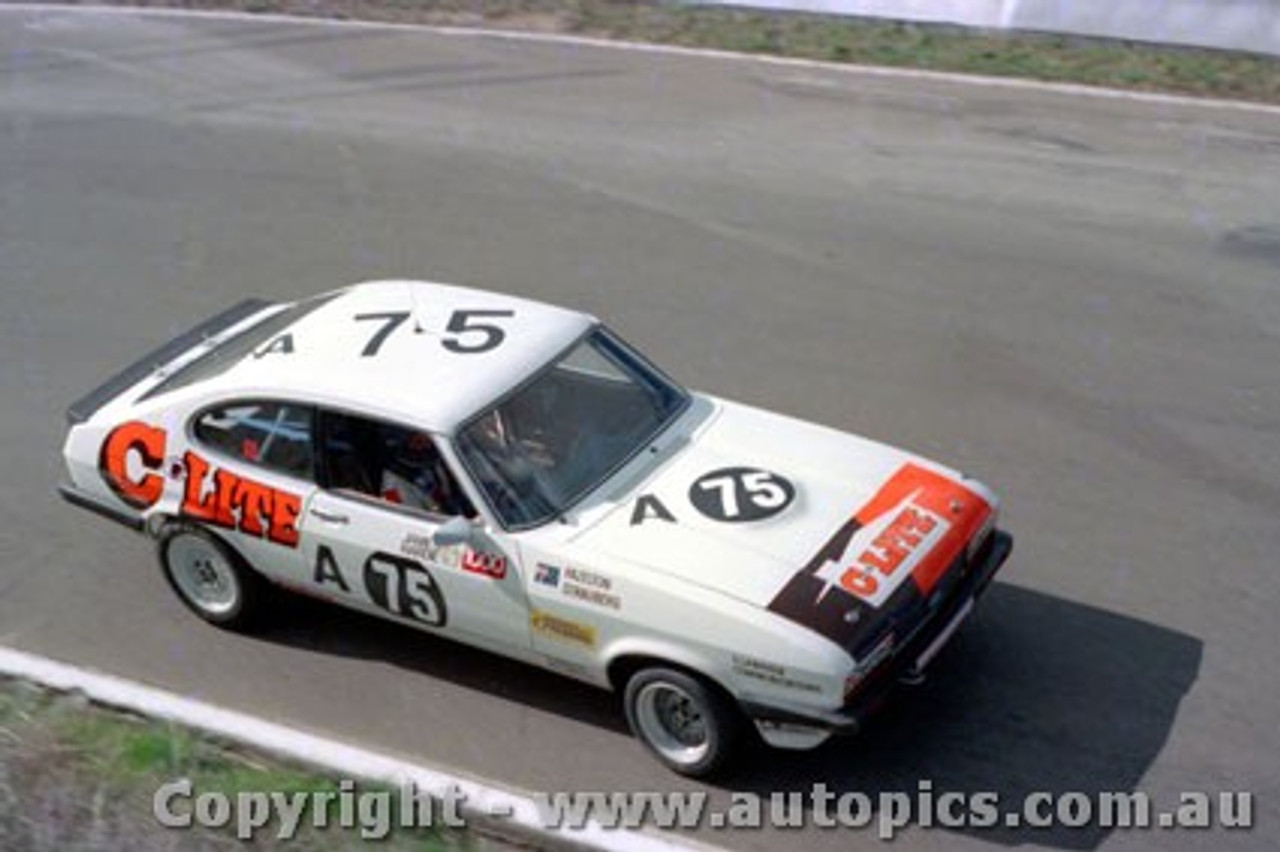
x=685, y=721
x=209, y=577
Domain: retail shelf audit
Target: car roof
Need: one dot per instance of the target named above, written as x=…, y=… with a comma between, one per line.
x=396, y=349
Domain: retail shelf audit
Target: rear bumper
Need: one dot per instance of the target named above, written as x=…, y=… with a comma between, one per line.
x=911, y=660
x=76, y=497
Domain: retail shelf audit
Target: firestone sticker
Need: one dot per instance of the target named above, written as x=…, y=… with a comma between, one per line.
x=562, y=629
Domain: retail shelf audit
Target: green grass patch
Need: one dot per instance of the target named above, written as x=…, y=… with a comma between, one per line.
x=74, y=775
x=905, y=45
x=1058, y=58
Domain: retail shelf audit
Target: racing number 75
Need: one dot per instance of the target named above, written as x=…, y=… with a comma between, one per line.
x=468, y=336
x=760, y=488
x=403, y=587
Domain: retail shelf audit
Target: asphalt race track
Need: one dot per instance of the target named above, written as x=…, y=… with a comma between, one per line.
x=1075, y=298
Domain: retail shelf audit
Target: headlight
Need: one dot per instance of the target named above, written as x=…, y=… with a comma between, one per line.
x=881, y=652
x=979, y=539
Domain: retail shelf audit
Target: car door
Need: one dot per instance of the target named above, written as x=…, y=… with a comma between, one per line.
x=368, y=539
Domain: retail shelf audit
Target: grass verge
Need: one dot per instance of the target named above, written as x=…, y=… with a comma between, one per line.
x=77, y=776
x=1058, y=58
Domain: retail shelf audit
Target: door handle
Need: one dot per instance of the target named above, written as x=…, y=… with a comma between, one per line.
x=330, y=517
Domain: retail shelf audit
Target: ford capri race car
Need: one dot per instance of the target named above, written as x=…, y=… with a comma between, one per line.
x=516, y=477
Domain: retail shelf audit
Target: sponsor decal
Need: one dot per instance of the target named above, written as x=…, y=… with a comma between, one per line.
x=421, y=547
x=591, y=596
x=133, y=453
x=455, y=556
x=590, y=587
x=770, y=673
x=563, y=629
x=880, y=554
x=488, y=564
x=138, y=446
x=547, y=575
x=237, y=502
x=740, y=494
x=891, y=553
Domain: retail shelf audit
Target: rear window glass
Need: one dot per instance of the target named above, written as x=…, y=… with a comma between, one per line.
x=273, y=435
x=230, y=352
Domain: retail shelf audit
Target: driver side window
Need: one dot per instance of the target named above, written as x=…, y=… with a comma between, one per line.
x=395, y=464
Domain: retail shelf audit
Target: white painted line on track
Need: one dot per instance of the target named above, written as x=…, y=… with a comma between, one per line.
x=977, y=80
x=498, y=805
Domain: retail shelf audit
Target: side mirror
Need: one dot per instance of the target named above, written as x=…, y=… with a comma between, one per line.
x=453, y=531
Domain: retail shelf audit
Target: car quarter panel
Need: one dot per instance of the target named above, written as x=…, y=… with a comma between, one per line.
x=143, y=460
x=589, y=611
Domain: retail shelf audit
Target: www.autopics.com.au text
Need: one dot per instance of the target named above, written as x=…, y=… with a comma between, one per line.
x=376, y=811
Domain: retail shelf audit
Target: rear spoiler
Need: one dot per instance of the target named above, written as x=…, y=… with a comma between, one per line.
x=84, y=408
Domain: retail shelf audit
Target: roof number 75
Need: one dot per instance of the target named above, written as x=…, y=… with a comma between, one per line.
x=466, y=335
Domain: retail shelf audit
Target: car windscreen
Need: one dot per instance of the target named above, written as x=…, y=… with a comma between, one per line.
x=558, y=436
x=231, y=351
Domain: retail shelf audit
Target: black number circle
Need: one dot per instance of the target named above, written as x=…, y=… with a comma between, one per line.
x=741, y=494
x=403, y=587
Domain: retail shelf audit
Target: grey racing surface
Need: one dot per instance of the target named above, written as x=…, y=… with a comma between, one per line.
x=1076, y=299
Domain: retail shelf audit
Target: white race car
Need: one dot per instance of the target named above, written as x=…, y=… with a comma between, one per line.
x=514, y=476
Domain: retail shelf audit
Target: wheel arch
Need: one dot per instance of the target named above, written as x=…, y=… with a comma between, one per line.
x=160, y=522
x=625, y=661
x=155, y=524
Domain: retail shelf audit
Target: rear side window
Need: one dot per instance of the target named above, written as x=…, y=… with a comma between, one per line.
x=273, y=435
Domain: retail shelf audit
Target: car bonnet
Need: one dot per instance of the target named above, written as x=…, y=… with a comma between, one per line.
x=793, y=516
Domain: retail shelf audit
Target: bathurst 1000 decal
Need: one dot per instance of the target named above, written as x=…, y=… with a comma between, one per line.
x=888, y=557
x=132, y=461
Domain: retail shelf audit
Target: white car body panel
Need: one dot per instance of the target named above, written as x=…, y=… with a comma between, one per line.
x=835, y=474
x=336, y=336
x=706, y=551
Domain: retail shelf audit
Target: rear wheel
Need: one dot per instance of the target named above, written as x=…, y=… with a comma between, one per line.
x=209, y=577
x=688, y=723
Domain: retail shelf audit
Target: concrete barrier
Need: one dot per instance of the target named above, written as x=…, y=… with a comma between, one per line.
x=1252, y=25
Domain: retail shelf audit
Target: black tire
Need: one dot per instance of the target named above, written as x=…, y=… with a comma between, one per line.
x=687, y=722
x=210, y=578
